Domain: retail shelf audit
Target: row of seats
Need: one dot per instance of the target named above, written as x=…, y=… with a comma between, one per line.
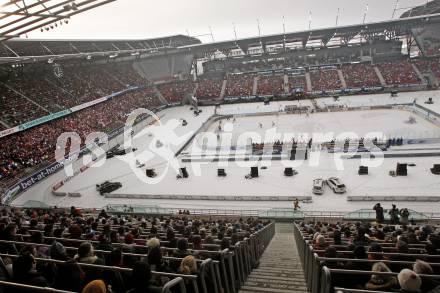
x=71, y=250
x=36, y=146
x=360, y=75
x=30, y=95
x=345, y=257
x=398, y=72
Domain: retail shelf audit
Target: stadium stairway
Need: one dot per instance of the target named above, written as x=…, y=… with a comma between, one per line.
x=380, y=76
x=308, y=82
x=280, y=269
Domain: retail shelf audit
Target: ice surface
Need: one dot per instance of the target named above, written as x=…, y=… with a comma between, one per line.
x=419, y=182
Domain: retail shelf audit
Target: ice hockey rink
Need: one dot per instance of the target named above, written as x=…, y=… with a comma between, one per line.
x=203, y=179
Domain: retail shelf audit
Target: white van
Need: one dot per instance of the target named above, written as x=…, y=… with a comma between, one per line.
x=336, y=185
x=318, y=186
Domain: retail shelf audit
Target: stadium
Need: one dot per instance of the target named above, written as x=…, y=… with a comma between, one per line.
x=296, y=161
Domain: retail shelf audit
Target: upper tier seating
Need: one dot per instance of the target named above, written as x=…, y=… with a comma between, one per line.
x=398, y=73
x=325, y=80
x=177, y=90
x=270, y=85
x=239, y=85
x=209, y=88
x=360, y=75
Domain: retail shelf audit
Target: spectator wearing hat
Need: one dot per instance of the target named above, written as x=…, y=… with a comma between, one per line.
x=423, y=268
x=381, y=282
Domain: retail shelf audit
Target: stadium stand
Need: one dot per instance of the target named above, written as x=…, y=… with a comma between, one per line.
x=270, y=85
x=364, y=256
x=31, y=94
x=36, y=146
x=429, y=65
x=73, y=250
x=209, y=88
x=398, y=72
x=360, y=75
x=239, y=85
x=296, y=82
x=325, y=80
x=16, y=109
x=177, y=90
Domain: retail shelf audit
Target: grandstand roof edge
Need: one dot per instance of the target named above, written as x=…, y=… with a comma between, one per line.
x=100, y=40
x=322, y=30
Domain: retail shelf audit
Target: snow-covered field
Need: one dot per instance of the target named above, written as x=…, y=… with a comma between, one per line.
x=419, y=182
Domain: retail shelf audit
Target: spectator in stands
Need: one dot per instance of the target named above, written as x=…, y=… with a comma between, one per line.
x=87, y=255
x=141, y=278
x=409, y=281
x=320, y=243
x=24, y=271
x=423, y=268
x=56, y=252
x=188, y=265
x=171, y=238
x=95, y=286
x=331, y=252
x=69, y=276
x=114, y=278
x=381, y=282
x=374, y=251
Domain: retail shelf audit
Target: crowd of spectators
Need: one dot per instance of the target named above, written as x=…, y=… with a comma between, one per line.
x=270, y=85
x=36, y=146
x=407, y=250
x=134, y=245
x=429, y=65
x=398, y=72
x=30, y=94
x=177, y=90
x=360, y=75
x=209, y=88
x=15, y=109
x=296, y=82
x=239, y=85
x=323, y=80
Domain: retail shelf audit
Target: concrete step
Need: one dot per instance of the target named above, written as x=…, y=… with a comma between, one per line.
x=280, y=269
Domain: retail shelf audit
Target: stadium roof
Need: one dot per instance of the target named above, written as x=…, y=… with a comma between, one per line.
x=390, y=29
x=428, y=8
x=18, y=17
x=23, y=50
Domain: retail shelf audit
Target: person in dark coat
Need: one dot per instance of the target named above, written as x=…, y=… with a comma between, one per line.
x=394, y=215
x=379, y=213
x=24, y=272
x=141, y=279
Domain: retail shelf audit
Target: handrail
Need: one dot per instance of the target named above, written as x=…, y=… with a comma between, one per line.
x=385, y=261
x=31, y=287
x=173, y=283
x=345, y=290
